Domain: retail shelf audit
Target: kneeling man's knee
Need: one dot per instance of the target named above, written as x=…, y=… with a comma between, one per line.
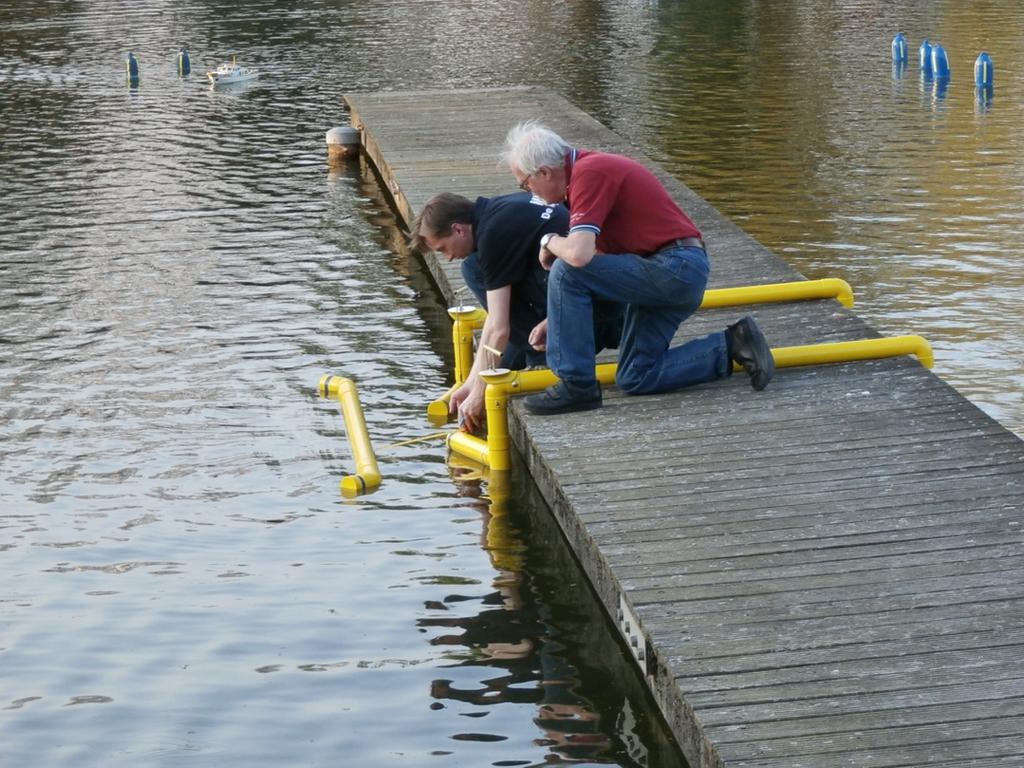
x=560, y=271
x=633, y=380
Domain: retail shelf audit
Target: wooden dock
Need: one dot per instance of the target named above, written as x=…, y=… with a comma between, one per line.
x=827, y=573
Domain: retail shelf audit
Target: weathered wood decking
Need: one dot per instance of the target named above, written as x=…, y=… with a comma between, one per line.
x=826, y=573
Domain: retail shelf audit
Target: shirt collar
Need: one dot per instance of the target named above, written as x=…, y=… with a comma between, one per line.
x=570, y=161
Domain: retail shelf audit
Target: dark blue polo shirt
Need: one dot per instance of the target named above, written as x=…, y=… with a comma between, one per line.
x=507, y=232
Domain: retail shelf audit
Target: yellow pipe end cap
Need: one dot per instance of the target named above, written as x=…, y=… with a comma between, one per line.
x=465, y=311
x=498, y=375
x=354, y=485
x=438, y=408
x=437, y=413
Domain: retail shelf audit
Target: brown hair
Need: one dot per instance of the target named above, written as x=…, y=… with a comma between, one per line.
x=437, y=217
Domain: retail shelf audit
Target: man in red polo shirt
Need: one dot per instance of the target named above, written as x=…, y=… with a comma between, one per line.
x=628, y=241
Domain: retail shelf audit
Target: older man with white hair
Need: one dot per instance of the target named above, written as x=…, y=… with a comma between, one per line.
x=628, y=241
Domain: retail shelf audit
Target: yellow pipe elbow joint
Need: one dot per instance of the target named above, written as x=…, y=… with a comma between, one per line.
x=364, y=482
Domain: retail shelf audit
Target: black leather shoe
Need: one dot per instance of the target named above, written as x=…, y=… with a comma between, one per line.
x=563, y=398
x=747, y=346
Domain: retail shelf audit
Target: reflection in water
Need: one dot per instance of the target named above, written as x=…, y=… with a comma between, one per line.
x=985, y=97
x=511, y=634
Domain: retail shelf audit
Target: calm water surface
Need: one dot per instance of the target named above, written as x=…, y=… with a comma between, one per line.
x=183, y=583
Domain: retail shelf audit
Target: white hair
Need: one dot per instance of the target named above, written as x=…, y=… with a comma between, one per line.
x=530, y=145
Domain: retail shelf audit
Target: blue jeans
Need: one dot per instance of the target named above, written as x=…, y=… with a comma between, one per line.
x=660, y=291
x=529, y=307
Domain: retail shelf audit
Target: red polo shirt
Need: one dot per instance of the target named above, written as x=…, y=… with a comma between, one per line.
x=623, y=203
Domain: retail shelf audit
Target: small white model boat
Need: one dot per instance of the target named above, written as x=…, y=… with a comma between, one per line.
x=231, y=73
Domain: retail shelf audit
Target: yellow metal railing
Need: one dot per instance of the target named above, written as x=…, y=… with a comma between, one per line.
x=771, y=293
x=850, y=351
x=523, y=382
x=501, y=384
x=466, y=319
x=493, y=452
x=367, y=476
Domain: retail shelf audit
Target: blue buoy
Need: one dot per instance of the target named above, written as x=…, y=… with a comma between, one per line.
x=924, y=57
x=184, y=65
x=899, y=47
x=984, y=72
x=132, y=65
x=940, y=62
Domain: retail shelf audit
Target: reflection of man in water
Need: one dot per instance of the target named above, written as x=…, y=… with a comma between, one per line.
x=513, y=635
x=571, y=726
x=573, y=731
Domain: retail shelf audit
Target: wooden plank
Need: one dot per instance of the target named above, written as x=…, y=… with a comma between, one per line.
x=826, y=573
x=876, y=716
x=956, y=747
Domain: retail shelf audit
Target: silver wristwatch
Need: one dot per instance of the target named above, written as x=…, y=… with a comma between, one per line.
x=545, y=239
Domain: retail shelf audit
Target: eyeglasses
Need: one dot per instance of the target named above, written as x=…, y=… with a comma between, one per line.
x=525, y=183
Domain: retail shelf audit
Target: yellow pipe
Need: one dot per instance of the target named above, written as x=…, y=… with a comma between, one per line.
x=367, y=477
x=501, y=383
x=829, y=288
x=849, y=351
x=522, y=382
x=496, y=405
x=469, y=318
x=470, y=446
x=540, y=379
x=494, y=451
x=465, y=320
x=438, y=411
